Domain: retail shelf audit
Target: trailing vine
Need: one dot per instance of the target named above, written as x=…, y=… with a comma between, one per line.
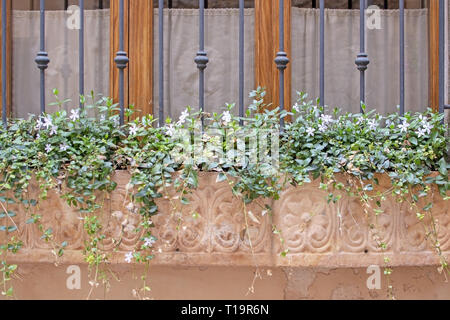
x=77, y=153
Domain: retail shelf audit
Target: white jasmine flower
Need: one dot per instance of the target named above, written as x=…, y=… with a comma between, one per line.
x=183, y=117
x=38, y=136
x=296, y=108
x=75, y=114
x=148, y=242
x=39, y=124
x=47, y=122
x=404, y=126
x=48, y=148
x=323, y=127
x=170, y=130
x=133, y=129
x=372, y=124
x=427, y=127
x=360, y=120
x=310, y=131
x=129, y=257
x=54, y=130
x=423, y=119
x=226, y=117
x=326, y=118
x=116, y=121
x=102, y=117
x=63, y=147
x=420, y=132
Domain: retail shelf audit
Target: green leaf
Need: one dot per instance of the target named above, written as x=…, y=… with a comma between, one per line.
x=413, y=140
x=443, y=167
x=221, y=177
x=10, y=292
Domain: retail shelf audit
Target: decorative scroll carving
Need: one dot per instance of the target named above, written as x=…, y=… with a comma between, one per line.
x=412, y=234
x=360, y=232
x=183, y=228
x=65, y=222
x=213, y=229
x=120, y=222
x=235, y=228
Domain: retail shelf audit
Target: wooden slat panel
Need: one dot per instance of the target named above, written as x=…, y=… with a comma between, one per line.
x=138, y=37
x=8, y=60
x=264, y=54
x=266, y=48
x=433, y=28
x=140, y=77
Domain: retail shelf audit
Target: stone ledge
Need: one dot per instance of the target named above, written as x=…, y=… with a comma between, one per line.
x=316, y=234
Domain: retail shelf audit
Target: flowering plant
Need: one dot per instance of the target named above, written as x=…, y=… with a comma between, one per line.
x=77, y=154
x=408, y=148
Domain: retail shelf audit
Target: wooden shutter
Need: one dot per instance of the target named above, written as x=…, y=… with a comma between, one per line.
x=266, y=48
x=139, y=47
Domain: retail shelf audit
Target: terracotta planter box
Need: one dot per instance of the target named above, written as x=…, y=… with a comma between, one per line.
x=315, y=233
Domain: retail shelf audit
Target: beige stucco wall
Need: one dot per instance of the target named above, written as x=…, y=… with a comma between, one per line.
x=45, y=281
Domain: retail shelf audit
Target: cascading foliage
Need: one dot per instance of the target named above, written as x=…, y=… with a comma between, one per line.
x=77, y=154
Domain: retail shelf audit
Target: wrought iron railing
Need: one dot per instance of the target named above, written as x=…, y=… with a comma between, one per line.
x=281, y=60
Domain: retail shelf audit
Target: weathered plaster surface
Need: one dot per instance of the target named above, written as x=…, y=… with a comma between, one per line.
x=46, y=281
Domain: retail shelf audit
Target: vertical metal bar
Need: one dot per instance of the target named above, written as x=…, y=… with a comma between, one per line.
x=281, y=59
x=322, y=52
x=100, y=4
x=313, y=5
x=241, y=60
x=66, y=4
x=201, y=59
x=402, y=56
x=423, y=4
x=81, y=52
x=441, y=56
x=42, y=59
x=161, y=61
x=121, y=61
x=4, y=116
x=386, y=5
x=362, y=60
x=350, y=4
